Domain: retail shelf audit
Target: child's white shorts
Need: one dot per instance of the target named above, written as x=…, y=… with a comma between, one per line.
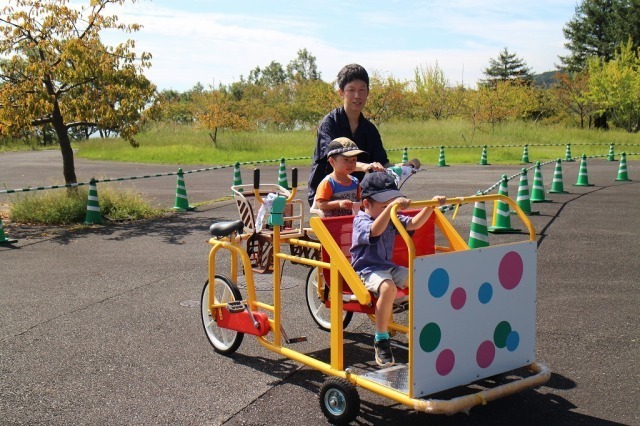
x=398, y=275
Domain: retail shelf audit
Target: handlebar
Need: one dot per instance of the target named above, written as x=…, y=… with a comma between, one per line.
x=256, y=184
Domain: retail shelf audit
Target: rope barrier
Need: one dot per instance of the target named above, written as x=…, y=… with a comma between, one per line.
x=120, y=179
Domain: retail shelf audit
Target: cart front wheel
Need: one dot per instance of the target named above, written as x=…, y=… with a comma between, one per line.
x=223, y=340
x=319, y=312
x=339, y=401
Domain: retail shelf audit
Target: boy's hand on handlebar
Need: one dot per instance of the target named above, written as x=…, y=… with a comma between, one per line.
x=402, y=202
x=441, y=199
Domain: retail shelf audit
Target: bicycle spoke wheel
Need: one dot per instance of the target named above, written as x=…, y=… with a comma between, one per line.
x=319, y=312
x=224, y=341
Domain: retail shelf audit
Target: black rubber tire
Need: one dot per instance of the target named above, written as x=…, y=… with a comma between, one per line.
x=224, y=341
x=339, y=401
x=319, y=312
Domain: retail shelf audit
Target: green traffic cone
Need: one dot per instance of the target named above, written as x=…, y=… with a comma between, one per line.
x=3, y=238
x=282, y=175
x=478, y=236
x=501, y=212
x=525, y=154
x=611, y=156
x=523, y=195
x=583, y=178
x=567, y=153
x=537, y=191
x=182, y=203
x=405, y=155
x=557, y=187
x=237, y=178
x=93, y=216
x=441, y=161
x=483, y=157
x=622, y=169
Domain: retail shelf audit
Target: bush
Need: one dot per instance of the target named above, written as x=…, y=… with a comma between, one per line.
x=69, y=206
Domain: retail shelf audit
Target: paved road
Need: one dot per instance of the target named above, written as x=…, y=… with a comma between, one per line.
x=97, y=325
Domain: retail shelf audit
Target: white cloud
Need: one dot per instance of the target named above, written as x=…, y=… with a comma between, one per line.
x=389, y=37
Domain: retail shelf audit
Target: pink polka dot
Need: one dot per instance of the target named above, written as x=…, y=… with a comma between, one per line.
x=458, y=298
x=510, y=270
x=445, y=362
x=485, y=354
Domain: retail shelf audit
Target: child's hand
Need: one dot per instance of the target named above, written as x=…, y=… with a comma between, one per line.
x=441, y=199
x=402, y=202
x=346, y=204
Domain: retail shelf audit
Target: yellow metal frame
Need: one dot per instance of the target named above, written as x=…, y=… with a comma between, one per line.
x=341, y=272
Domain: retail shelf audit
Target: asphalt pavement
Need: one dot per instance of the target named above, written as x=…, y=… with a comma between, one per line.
x=101, y=325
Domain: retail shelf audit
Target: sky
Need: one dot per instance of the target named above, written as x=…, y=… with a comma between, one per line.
x=216, y=42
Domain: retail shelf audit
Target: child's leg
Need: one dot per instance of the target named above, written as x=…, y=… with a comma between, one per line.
x=384, y=307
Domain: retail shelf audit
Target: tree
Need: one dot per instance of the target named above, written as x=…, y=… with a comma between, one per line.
x=572, y=92
x=434, y=96
x=270, y=76
x=615, y=86
x=506, y=100
x=303, y=68
x=387, y=98
x=215, y=110
x=507, y=67
x=598, y=28
x=60, y=74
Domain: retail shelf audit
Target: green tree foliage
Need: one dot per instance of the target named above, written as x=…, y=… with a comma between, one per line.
x=303, y=67
x=59, y=73
x=269, y=76
x=508, y=66
x=615, y=86
x=597, y=29
x=434, y=96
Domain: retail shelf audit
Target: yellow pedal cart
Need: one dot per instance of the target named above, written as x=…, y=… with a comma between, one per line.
x=471, y=313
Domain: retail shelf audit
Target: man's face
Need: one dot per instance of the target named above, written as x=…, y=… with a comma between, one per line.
x=355, y=95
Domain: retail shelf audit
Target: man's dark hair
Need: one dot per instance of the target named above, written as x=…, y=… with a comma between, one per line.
x=351, y=73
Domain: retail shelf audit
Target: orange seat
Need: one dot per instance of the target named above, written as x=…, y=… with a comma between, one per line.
x=341, y=228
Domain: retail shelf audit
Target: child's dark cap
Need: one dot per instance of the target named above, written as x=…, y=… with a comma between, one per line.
x=379, y=186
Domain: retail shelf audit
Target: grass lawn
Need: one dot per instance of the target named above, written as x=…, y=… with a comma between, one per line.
x=189, y=145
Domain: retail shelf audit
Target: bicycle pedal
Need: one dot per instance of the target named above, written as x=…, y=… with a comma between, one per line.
x=236, y=306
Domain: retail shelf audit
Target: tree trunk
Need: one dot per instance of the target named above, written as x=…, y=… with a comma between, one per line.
x=68, y=166
x=214, y=136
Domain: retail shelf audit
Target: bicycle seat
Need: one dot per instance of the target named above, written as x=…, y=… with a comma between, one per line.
x=224, y=229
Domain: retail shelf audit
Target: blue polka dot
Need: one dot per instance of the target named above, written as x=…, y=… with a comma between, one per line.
x=438, y=282
x=485, y=293
x=513, y=340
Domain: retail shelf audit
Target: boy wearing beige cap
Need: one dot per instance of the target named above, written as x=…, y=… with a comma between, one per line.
x=338, y=191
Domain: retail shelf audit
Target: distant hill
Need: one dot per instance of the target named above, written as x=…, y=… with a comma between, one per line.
x=546, y=79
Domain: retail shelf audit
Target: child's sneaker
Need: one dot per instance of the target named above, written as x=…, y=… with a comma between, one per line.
x=384, y=356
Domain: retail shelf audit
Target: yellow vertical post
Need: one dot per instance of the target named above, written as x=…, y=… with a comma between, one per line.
x=337, y=336
x=276, y=286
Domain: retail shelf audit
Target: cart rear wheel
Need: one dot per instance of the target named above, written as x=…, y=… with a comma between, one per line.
x=224, y=341
x=339, y=401
x=319, y=312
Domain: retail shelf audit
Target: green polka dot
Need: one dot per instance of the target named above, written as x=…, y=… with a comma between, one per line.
x=500, y=334
x=430, y=337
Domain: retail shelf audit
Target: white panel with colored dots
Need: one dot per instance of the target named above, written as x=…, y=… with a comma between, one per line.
x=474, y=315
